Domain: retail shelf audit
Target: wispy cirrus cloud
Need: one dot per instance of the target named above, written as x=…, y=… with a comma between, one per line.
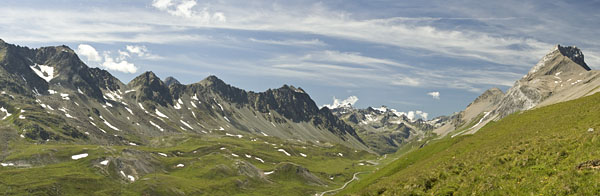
x=290, y=42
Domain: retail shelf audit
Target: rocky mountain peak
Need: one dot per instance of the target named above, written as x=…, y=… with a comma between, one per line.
x=490, y=95
x=560, y=60
x=171, y=80
x=573, y=53
x=292, y=88
x=212, y=80
x=151, y=88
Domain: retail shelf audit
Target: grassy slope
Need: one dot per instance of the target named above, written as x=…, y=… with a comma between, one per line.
x=63, y=176
x=535, y=152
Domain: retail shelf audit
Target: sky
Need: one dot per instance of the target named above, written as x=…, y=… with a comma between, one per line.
x=430, y=57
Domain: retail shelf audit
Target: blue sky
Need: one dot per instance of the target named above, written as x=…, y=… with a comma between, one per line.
x=385, y=52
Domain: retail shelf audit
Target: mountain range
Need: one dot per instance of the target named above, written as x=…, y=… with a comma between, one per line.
x=97, y=108
x=83, y=127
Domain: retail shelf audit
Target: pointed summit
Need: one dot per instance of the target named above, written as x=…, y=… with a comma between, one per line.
x=561, y=60
x=490, y=95
x=171, y=80
x=212, y=80
x=151, y=88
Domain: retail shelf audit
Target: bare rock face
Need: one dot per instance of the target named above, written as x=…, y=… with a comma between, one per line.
x=543, y=80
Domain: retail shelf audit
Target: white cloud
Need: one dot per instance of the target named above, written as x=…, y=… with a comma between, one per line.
x=110, y=63
x=89, y=53
x=162, y=4
x=412, y=115
x=122, y=65
x=290, y=42
x=185, y=9
x=181, y=8
x=350, y=101
x=138, y=50
x=435, y=94
x=423, y=115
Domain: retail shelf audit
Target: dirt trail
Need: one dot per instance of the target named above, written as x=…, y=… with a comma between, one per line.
x=354, y=177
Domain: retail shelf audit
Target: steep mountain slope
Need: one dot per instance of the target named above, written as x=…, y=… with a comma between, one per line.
x=549, y=150
x=559, y=76
x=110, y=112
x=384, y=130
x=471, y=117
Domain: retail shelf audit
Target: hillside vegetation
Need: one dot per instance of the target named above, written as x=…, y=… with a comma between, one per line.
x=546, y=151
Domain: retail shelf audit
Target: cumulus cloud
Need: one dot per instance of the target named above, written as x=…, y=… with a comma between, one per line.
x=120, y=64
x=423, y=115
x=412, y=115
x=434, y=94
x=350, y=101
x=176, y=8
x=89, y=53
x=185, y=8
x=107, y=61
x=137, y=50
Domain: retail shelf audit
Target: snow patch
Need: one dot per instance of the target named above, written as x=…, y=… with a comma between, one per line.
x=65, y=96
x=259, y=159
x=285, y=152
x=160, y=113
x=162, y=154
x=109, y=125
x=159, y=128
x=269, y=173
x=2, y=109
x=142, y=106
x=231, y=135
x=43, y=71
x=129, y=110
x=180, y=165
x=7, y=164
x=105, y=162
x=52, y=92
x=79, y=156
x=340, y=154
x=302, y=154
x=235, y=155
x=186, y=124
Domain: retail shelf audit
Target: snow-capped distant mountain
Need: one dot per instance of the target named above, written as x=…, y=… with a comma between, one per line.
x=384, y=129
